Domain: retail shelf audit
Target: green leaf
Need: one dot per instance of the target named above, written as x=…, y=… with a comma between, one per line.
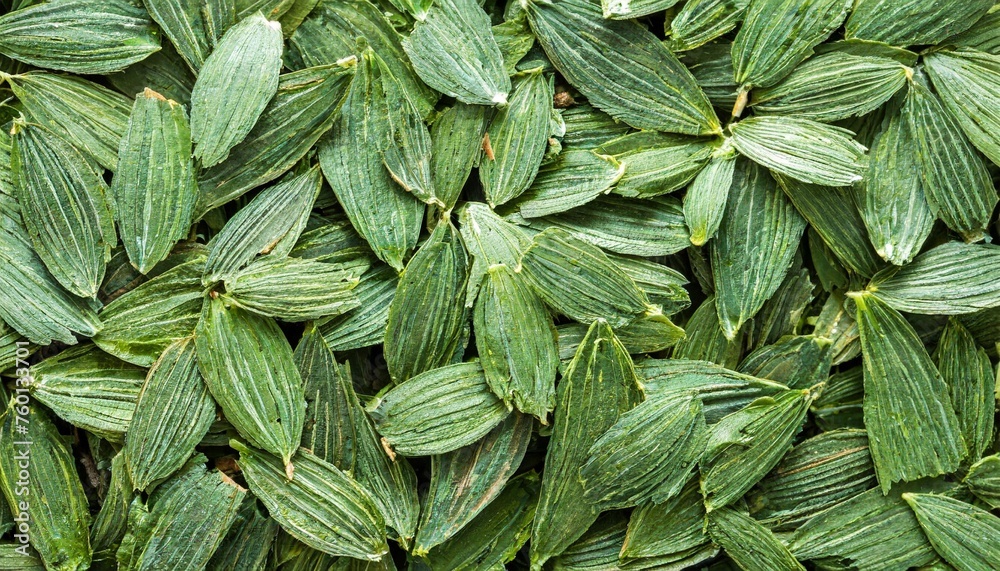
x=438, y=411
x=598, y=386
x=329, y=34
x=497, y=534
x=705, y=339
x=705, y=200
x=304, y=108
x=164, y=72
x=296, y=290
x=234, y=86
x=628, y=10
x=983, y=479
x=456, y=139
x=955, y=181
x=950, y=524
x=891, y=200
x=971, y=380
x=515, y=40
x=248, y=366
x=573, y=179
x=491, y=240
x=32, y=302
x=272, y=221
x=840, y=404
x=516, y=341
x=64, y=208
x=648, y=454
x=364, y=325
x=109, y=524
x=577, y=280
x=745, y=445
x=832, y=213
x=982, y=36
x=56, y=508
x=753, y=250
x=670, y=533
x=153, y=191
x=751, y=545
x=470, y=480
x=91, y=117
x=452, y=50
x=951, y=279
x=817, y=474
x=589, y=128
x=801, y=149
x=89, y=389
x=910, y=420
x=248, y=543
x=701, y=21
x=173, y=413
x=518, y=136
x=140, y=324
x=322, y=507
x=193, y=27
x=656, y=164
x=427, y=316
x=868, y=531
x=664, y=286
x=966, y=80
x=912, y=22
x=798, y=361
x=832, y=86
x=352, y=164
x=777, y=35
x=622, y=68
x=637, y=227
x=596, y=549
x=79, y=36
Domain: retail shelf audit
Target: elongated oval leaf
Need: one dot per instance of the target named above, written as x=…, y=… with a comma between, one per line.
x=705, y=200
x=296, y=290
x=751, y=545
x=193, y=27
x=912, y=22
x=950, y=524
x=966, y=80
x=456, y=140
x=701, y=21
x=967, y=371
x=656, y=164
x=575, y=178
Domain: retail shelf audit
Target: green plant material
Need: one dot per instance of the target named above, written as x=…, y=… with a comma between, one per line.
x=911, y=423
x=701, y=21
x=743, y=446
x=621, y=68
x=140, y=324
x=573, y=179
x=797, y=362
x=833, y=86
x=955, y=181
x=516, y=341
x=777, y=35
x=80, y=36
x=598, y=548
x=52, y=496
x=235, y=84
x=517, y=136
x=469, y=480
x=577, y=280
x=89, y=389
x=801, y=149
x=293, y=289
x=248, y=367
x=322, y=507
x=891, y=199
x=705, y=201
x=153, y=192
x=950, y=523
x=705, y=340
x=491, y=240
x=967, y=371
x=164, y=72
x=950, y=279
x=751, y=545
x=456, y=139
x=589, y=128
x=598, y=386
x=982, y=36
x=248, y=543
x=304, y=109
x=438, y=411
x=664, y=286
x=270, y=224
x=911, y=22
x=670, y=533
x=654, y=163
x=91, y=117
x=194, y=28
x=515, y=40
x=452, y=50
x=352, y=164
x=64, y=208
x=817, y=474
x=427, y=317
x=964, y=79
x=495, y=536
x=840, y=404
x=173, y=413
x=983, y=479
x=669, y=429
x=170, y=533
x=364, y=325
x=754, y=247
x=110, y=523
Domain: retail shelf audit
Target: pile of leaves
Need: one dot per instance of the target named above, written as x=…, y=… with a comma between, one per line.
x=303, y=285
